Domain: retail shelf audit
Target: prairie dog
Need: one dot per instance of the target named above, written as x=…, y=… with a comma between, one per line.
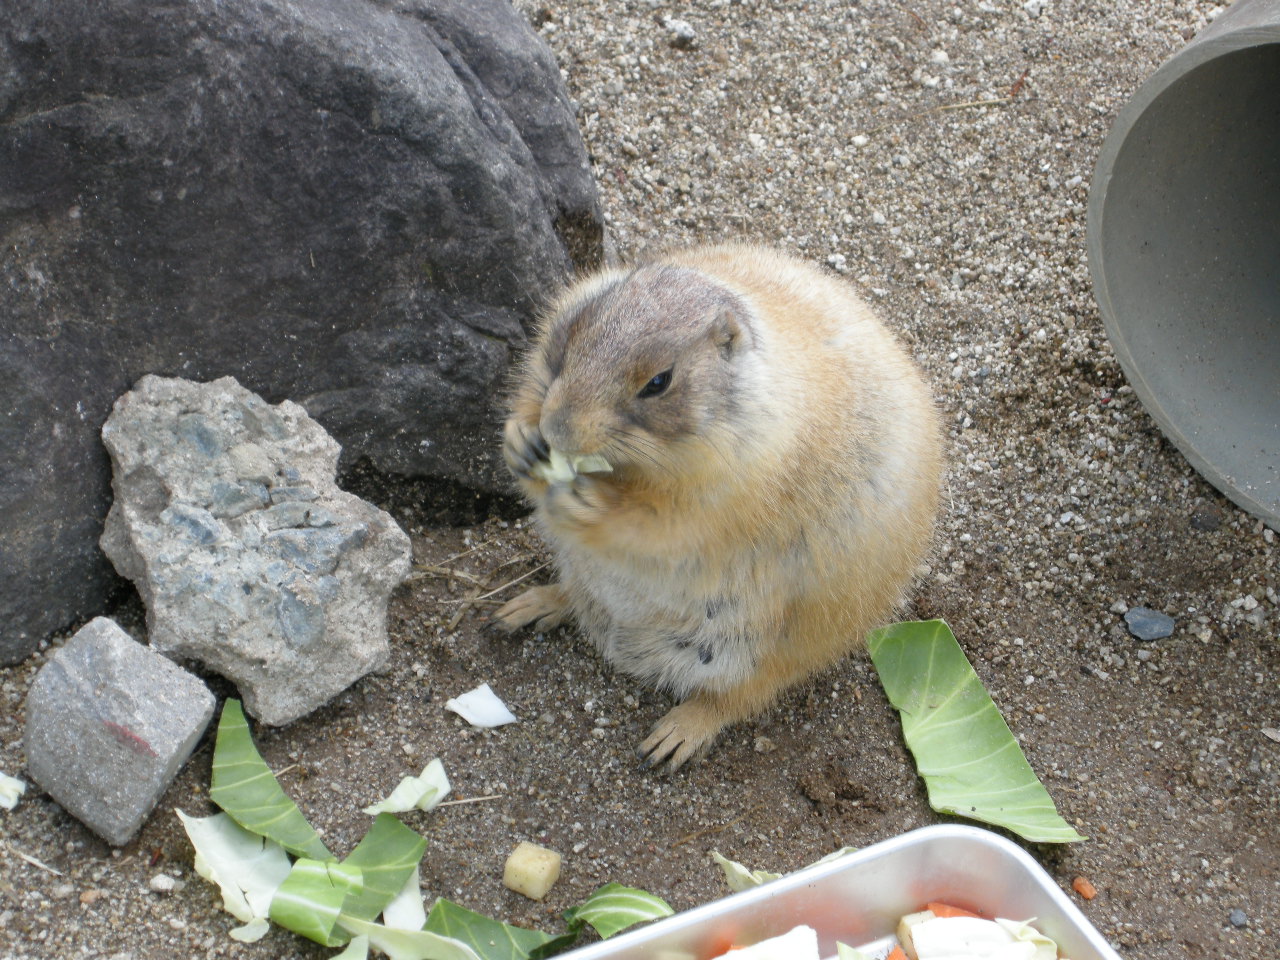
x=775, y=460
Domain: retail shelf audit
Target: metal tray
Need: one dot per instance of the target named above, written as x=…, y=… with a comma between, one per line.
x=859, y=898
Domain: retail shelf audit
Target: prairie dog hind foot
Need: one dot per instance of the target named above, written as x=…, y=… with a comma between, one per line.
x=685, y=733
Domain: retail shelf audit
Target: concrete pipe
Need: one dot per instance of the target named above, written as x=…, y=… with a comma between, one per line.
x=1184, y=251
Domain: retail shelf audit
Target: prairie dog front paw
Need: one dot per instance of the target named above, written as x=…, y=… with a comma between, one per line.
x=545, y=607
x=525, y=448
x=581, y=502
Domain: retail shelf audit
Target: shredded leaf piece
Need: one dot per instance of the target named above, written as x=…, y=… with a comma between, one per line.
x=246, y=867
x=561, y=469
x=492, y=939
x=741, y=878
x=970, y=762
x=613, y=908
x=245, y=787
x=422, y=792
x=956, y=938
x=407, y=911
x=387, y=859
x=410, y=944
x=357, y=949
x=310, y=900
x=846, y=952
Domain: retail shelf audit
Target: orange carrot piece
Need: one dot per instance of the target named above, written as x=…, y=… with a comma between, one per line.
x=724, y=948
x=896, y=954
x=1083, y=887
x=947, y=910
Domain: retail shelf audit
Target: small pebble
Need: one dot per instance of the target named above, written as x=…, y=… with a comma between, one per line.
x=1147, y=624
x=162, y=883
x=683, y=36
x=1238, y=918
x=1207, y=519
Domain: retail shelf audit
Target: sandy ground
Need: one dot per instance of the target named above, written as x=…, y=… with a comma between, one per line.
x=939, y=156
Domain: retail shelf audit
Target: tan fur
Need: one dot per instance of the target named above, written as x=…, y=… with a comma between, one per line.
x=764, y=512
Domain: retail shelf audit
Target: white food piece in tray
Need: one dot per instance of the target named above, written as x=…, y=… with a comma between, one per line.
x=799, y=943
x=972, y=938
x=906, y=925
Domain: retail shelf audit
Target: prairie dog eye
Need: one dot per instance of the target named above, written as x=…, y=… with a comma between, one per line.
x=655, y=386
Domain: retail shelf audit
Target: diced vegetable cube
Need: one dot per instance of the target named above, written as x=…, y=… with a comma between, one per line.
x=531, y=870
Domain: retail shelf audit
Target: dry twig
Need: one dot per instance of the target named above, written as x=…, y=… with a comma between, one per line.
x=454, y=803
x=34, y=862
x=512, y=583
x=467, y=604
x=699, y=834
x=423, y=570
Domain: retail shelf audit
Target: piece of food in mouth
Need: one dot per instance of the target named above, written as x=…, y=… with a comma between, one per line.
x=561, y=469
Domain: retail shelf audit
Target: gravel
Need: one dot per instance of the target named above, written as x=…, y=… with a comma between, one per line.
x=937, y=155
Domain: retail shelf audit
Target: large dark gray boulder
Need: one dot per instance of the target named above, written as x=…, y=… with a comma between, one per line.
x=354, y=205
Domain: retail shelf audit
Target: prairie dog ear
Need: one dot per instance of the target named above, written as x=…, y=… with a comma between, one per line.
x=726, y=330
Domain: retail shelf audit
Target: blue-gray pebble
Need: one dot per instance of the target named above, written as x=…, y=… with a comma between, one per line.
x=1148, y=624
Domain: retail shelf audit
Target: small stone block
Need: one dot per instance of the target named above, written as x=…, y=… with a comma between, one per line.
x=109, y=724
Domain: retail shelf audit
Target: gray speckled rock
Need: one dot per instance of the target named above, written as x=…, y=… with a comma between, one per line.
x=248, y=557
x=109, y=725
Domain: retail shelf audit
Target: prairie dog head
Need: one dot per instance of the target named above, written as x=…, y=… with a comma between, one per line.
x=633, y=363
